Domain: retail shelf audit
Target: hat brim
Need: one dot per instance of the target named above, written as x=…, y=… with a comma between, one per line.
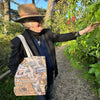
x=21, y=20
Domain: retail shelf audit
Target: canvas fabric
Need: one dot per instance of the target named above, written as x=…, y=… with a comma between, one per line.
x=31, y=75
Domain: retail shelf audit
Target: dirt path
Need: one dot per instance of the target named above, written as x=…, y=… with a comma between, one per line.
x=67, y=85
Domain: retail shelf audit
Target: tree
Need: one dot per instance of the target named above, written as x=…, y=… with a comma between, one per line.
x=1, y=6
x=33, y=1
x=49, y=11
x=6, y=10
x=6, y=14
x=41, y=11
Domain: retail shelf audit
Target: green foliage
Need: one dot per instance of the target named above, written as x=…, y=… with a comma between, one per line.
x=4, y=52
x=58, y=44
x=58, y=21
x=41, y=11
x=1, y=25
x=13, y=28
x=95, y=69
x=85, y=51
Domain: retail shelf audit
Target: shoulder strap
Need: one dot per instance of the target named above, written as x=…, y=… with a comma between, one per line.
x=27, y=49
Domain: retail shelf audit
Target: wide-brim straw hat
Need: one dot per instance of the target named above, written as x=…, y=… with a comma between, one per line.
x=27, y=11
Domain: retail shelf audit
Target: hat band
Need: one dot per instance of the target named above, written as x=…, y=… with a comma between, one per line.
x=28, y=14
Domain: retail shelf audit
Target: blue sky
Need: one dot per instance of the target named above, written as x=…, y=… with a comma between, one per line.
x=38, y=3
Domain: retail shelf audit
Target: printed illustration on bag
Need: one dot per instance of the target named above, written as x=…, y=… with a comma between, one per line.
x=31, y=77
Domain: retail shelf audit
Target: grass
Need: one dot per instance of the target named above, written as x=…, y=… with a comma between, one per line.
x=6, y=90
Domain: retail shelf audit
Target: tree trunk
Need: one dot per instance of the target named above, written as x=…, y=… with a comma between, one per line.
x=49, y=11
x=6, y=14
x=7, y=10
x=1, y=5
x=33, y=1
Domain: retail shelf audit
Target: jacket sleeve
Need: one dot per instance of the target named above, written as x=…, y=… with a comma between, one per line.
x=64, y=37
x=16, y=55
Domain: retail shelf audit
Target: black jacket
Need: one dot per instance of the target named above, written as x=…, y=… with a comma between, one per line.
x=18, y=52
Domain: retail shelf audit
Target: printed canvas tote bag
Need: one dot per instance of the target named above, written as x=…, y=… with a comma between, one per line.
x=31, y=75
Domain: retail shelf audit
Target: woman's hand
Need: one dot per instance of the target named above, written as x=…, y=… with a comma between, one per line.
x=89, y=28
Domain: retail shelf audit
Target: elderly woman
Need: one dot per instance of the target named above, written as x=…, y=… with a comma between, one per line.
x=41, y=42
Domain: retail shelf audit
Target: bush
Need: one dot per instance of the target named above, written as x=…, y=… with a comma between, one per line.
x=85, y=51
x=5, y=52
x=13, y=28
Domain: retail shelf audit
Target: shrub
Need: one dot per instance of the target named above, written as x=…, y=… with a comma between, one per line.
x=5, y=52
x=13, y=28
x=85, y=51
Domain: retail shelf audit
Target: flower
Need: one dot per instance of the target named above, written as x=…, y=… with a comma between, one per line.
x=68, y=22
x=73, y=18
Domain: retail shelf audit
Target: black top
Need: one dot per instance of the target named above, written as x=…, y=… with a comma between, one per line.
x=18, y=53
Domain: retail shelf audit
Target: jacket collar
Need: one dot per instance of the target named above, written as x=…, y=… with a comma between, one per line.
x=30, y=42
x=32, y=46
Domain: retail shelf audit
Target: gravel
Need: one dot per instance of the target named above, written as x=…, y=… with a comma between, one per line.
x=68, y=86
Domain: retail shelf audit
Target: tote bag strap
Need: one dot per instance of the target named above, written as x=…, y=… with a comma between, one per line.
x=27, y=49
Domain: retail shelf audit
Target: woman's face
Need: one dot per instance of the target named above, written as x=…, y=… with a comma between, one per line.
x=36, y=26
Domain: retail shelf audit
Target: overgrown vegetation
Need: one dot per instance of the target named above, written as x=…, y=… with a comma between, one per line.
x=84, y=53
x=4, y=52
x=5, y=45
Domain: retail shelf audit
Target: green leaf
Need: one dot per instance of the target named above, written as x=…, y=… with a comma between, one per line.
x=91, y=71
x=99, y=92
x=98, y=79
x=97, y=15
x=93, y=19
x=93, y=65
x=90, y=8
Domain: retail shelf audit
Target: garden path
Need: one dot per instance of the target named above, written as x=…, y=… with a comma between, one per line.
x=68, y=86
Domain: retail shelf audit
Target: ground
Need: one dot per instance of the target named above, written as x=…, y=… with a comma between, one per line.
x=68, y=86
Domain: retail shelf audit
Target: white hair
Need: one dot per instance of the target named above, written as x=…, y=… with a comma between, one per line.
x=27, y=24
